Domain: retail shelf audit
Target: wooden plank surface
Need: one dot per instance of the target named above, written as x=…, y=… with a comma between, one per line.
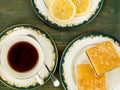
x=21, y=11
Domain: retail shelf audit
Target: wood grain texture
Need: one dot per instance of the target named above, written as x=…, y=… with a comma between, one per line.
x=21, y=11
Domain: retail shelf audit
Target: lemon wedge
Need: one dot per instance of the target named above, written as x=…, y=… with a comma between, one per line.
x=62, y=10
x=82, y=6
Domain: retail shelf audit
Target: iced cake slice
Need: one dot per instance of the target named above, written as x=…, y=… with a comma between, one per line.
x=103, y=57
x=87, y=79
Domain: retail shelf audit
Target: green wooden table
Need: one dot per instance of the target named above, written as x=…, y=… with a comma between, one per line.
x=21, y=11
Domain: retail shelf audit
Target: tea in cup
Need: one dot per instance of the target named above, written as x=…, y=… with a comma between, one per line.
x=22, y=57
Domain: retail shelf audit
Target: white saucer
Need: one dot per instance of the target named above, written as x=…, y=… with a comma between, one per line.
x=50, y=52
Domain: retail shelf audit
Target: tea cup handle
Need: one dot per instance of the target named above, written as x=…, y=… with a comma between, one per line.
x=38, y=79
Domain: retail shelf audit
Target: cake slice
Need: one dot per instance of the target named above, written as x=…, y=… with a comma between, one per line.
x=103, y=57
x=87, y=79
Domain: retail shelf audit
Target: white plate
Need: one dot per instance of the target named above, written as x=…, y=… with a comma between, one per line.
x=50, y=52
x=75, y=54
x=43, y=12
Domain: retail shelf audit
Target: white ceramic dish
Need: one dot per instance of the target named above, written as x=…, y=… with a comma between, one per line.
x=75, y=54
x=43, y=12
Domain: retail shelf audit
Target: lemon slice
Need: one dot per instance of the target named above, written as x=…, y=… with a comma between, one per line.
x=82, y=6
x=62, y=10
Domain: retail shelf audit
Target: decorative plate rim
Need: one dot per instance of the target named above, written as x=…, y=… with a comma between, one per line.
x=70, y=44
x=92, y=17
x=48, y=36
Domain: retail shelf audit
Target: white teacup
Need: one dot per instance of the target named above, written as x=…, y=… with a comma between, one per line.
x=5, y=62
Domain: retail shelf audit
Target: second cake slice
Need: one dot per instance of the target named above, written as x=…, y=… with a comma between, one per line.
x=87, y=79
